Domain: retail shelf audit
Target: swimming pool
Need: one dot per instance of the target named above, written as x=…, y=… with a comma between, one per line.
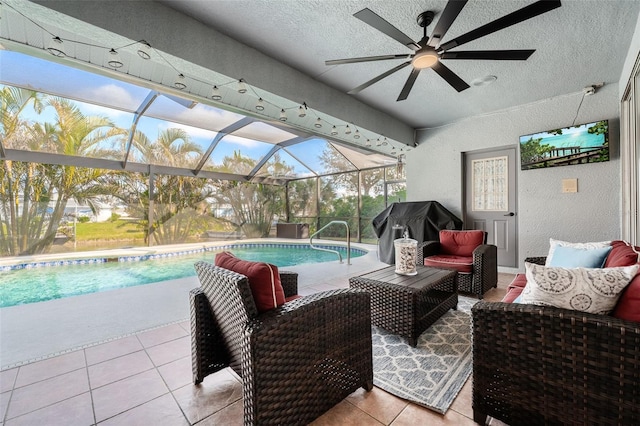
x=38, y=282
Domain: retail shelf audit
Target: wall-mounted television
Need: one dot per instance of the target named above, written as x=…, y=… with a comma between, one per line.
x=581, y=144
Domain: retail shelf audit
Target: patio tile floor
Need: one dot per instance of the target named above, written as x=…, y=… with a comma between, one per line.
x=146, y=379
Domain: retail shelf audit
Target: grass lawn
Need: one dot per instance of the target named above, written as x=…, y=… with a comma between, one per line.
x=118, y=230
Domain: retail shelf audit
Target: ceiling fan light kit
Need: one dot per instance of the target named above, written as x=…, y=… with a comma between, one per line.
x=425, y=58
x=429, y=51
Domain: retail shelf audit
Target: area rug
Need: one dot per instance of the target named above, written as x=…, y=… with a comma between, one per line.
x=432, y=373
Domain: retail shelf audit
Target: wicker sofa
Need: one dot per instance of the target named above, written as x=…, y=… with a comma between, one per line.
x=537, y=365
x=296, y=361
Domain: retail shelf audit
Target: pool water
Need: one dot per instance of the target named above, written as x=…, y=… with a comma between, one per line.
x=40, y=284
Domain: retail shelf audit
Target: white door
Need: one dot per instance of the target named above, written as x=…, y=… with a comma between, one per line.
x=490, y=199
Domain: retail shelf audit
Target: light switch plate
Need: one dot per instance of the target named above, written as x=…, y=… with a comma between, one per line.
x=569, y=185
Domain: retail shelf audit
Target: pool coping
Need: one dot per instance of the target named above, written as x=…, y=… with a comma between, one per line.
x=136, y=254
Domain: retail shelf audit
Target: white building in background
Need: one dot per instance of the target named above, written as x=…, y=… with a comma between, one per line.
x=103, y=213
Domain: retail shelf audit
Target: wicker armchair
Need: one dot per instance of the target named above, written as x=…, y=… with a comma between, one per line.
x=540, y=365
x=484, y=272
x=295, y=361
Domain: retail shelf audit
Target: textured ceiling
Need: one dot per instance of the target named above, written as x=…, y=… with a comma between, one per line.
x=579, y=44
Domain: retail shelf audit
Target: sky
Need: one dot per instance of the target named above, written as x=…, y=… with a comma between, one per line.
x=119, y=101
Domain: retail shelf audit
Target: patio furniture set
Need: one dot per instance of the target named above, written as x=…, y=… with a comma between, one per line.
x=532, y=364
x=299, y=356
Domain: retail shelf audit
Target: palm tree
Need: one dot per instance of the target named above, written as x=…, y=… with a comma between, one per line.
x=16, y=181
x=178, y=202
x=32, y=227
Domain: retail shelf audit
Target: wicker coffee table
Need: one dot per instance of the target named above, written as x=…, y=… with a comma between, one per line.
x=408, y=305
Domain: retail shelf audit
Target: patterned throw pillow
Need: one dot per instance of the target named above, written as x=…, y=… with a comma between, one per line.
x=594, y=290
x=555, y=243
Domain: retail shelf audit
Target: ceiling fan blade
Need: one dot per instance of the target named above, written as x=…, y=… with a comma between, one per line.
x=449, y=14
x=369, y=17
x=516, y=17
x=366, y=59
x=450, y=77
x=409, y=84
x=378, y=78
x=496, y=55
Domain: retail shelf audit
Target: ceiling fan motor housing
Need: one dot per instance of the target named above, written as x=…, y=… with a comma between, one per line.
x=425, y=18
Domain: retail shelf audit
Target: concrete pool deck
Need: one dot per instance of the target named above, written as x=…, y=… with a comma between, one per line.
x=41, y=330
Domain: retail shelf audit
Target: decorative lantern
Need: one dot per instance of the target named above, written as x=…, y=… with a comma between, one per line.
x=406, y=255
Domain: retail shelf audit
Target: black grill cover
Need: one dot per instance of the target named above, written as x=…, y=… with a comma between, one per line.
x=423, y=219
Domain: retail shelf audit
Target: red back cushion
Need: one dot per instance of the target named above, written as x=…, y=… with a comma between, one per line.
x=264, y=279
x=621, y=255
x=628, y=307
x=460, y=243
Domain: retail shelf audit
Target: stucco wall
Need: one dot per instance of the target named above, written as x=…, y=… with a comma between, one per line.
x=434, y=170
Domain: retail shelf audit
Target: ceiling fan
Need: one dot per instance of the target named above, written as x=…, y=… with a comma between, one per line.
x=429, y=51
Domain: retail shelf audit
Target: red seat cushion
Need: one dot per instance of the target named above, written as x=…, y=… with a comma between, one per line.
x=264, y=279
x=462, y=264
x=460, y=243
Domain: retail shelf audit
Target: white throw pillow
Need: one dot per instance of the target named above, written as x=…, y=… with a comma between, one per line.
x=594, y=290
x=554, y=243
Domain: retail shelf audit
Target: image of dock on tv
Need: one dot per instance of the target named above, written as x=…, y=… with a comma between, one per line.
x=581, y=144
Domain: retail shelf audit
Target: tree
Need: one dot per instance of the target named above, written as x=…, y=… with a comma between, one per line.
x=302, y=197
x=26, y=189
x=254, y=206
x=533, y=150
x=335, y=162
x=179, y=202
x=601, y=128
x=14, y=177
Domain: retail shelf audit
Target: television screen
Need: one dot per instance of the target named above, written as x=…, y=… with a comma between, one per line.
x=584, y=143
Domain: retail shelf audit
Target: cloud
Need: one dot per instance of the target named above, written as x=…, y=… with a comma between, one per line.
x=109, y=94
x=237, y=140
x=193, y=132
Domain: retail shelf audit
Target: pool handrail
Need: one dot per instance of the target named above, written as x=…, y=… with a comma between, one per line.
x=334, y=251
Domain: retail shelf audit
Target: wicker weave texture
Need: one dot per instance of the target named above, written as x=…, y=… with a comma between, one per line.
x=408, y=305
x=296, y=361
x=535, y=365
